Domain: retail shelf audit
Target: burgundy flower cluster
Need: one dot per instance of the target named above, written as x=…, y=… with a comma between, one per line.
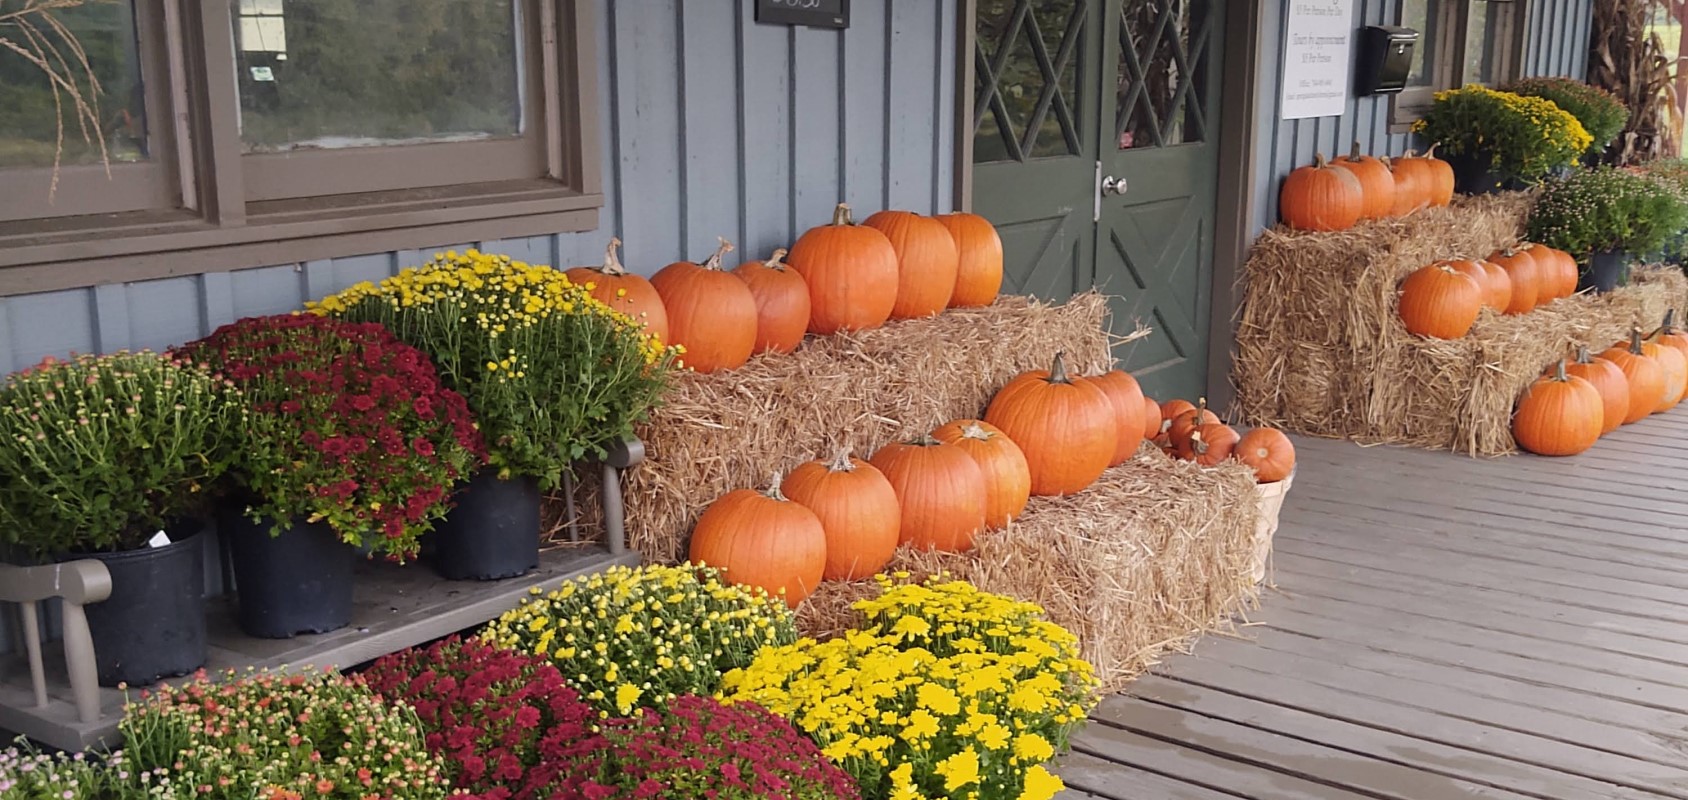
x=349, y=425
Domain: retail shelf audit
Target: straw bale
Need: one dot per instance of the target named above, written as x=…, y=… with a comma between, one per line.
x=1155, y=553
x=727, y=430
x=1321, y=351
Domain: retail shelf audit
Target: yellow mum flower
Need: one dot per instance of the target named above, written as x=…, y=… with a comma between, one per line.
x=960, y=769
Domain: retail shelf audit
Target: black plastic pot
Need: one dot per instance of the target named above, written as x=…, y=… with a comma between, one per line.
x=492, y=532
x=1606, y=271
x=153, y=625
x=297, y=582
x=1474, y=175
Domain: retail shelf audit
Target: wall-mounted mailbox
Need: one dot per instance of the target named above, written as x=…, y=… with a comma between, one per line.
x=1386, y=57
x=814, y=13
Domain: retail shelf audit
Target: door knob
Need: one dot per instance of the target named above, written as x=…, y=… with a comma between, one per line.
x=1113, y=185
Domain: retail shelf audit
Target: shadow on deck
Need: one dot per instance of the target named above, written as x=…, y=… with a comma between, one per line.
x=1441, y=627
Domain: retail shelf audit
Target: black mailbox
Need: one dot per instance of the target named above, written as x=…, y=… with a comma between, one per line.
x=1386, y=57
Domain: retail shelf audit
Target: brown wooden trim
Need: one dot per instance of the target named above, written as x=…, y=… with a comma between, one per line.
x=216, y=96
x=966, y=36
x=317, y=173
x=1233, y=235
x=181, y=120
x=85, y=189
x=579, y=101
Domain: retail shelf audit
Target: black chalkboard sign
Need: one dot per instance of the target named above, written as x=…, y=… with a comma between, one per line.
x=814, y=13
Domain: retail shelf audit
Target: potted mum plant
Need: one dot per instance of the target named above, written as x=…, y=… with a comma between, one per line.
x=1606, y=216
x=108, y=458
x=351, y=442
x=552, y=376
x=1601, y=113
x=1498, y=140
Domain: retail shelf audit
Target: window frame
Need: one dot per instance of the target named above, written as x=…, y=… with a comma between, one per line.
x=230, y=210
x=1448, y=55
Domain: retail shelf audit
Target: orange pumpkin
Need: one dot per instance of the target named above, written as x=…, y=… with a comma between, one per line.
x=1439, y=190
x=710, y=312
x=1440, y=302
x=1646, y=377
x=1209, y=444
x=978, y=276
x=1171, y=409
x=624, y=291
x=782, y=303
x=1559, y=415
x=927, y=262
x=1526, y=277
x=1127, y=396
x=941, y=491
x=1668, y=337
x=1377, y=185
x=1609, y=381
x=1067, y=428
x=1152, y=423
x=1558, y=268
x=1675, y=368
x=1186, y=423
x=851, y=271
x=1008, y=480
x=1268, y=452
x=762, y=539
x=857, y=509
x=1321, y=197
x=1486, y=281
x=1412, y=183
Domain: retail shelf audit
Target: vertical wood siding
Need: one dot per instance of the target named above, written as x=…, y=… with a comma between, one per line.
x=1556, y=43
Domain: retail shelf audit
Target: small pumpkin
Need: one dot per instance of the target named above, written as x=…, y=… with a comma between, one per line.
x=1609, y=381
x=1646, y=377
x=762, y=539
x=782, y=303
x=927, y=262
x=1559, y=415
x=1440, y=302
x=1268, y=452
x=1559, y=271
x=1171, y=409
x=1526, y=278
x=851, y=271
x=1321, y=197
x=1127, y=396
x=1412, y=183
x=978, y=276
x=710, y=312
x=1675, y=367
x=941, y=491
x=1008, y=480
x=1377, y=185
x=1209, y=444
x=1181, y=426
x=624, y=291
x=1669, y=337
x=1500, y=286
x=1152, y=422
x=858, y=511
x=1067, y=428
x=1439, y=191
x=1485, y=279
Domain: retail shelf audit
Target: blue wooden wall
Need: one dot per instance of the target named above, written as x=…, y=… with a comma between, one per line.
x=712, y=125
x=1556, y=43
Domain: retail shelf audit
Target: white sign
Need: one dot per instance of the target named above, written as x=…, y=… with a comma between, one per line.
x=1318, y=49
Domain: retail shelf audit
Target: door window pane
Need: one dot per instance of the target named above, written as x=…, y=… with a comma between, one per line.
x=1422, y=16
x=1479, y=48
x=29, y=117
x=359, y=73
x=1026, y=73
x=1162, y=73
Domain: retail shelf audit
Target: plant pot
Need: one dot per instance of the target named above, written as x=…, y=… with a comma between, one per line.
x=1474, y=175
x=493, y=530
x=153, y=625
x=1606, y=271
x=297, y=582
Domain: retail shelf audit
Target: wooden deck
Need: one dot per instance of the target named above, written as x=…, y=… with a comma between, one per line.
x=1442, y=627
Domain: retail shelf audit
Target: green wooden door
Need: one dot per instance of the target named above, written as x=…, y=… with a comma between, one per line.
x=1095, y=153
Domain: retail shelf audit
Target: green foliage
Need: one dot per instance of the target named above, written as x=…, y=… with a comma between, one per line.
x=96, y=60
x=1601, y=113
x=28, y=774
x=1527, y=138
x=101, y=452
x=1608, y=209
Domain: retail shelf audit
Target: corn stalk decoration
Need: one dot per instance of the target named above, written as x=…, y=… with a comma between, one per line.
x=32, y=30
x=1628, y=60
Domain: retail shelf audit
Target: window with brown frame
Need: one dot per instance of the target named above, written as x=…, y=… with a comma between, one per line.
x=246, y=132
x=1460, y=42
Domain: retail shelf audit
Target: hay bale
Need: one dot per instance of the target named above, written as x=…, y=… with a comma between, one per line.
x=1154, y=554
x=1321, y=351
x=861, y=390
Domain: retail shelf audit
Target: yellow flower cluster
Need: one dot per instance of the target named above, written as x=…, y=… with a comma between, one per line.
x=948, y=692
x=1526, y=136
x=631, y=637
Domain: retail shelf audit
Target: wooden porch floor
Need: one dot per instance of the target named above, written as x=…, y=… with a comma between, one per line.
x=1442, y=627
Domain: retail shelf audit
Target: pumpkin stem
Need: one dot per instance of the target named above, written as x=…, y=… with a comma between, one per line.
x=1635, y=340
x=1431, y=152
x=925, y=440
x=1197, y=444
x=1319, y=160
x=612, y=264
x=841, y=461
x=773, y=490
x=1583, y=356
x=1559, y=374
x=1354, y=154
x=774, y=261
x=841, y=215
x=973, y=430
x=1668, y=326
x=1058, y=370
x=714, y=261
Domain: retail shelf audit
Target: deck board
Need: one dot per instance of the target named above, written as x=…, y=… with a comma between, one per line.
x=1439, y=626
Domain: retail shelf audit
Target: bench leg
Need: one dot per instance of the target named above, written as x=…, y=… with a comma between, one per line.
x=79, y=660
x=32, y=645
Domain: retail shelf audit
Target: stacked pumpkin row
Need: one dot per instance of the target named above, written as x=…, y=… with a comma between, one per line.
x=1335, y=195
x=1045, y=433
x=837, y=277
x=1442, y=300
x=1564, y=412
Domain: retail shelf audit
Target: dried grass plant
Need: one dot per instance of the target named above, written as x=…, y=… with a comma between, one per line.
x=33, y=30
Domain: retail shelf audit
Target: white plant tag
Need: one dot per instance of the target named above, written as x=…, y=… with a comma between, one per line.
x=159, y=539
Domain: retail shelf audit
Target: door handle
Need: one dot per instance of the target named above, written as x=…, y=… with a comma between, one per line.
x=1113, y=185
